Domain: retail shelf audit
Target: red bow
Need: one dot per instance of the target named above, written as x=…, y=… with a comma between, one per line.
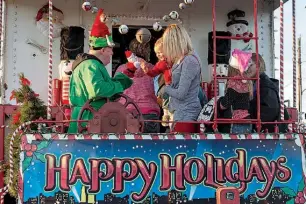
x=246, y=35
x=13, y=95
x=35, y=94
x=16, y=118
x=25, y=82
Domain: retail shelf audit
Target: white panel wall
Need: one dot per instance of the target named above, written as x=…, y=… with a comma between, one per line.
x=197, y=19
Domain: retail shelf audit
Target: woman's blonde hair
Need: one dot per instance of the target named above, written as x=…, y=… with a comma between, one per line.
x=176, y=43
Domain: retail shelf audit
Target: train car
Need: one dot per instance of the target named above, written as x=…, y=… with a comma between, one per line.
x=111, y=160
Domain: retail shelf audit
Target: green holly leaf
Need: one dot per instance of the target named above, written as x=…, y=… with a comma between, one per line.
x=301, y=185
x=42, y=145
x=289, y=192
x=40, y=157
x=26, y=163
x=290, y=201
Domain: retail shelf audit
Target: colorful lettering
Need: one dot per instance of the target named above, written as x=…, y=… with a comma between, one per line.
x=177, y=172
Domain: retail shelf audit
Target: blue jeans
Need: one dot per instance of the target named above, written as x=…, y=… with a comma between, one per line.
x=241, y=128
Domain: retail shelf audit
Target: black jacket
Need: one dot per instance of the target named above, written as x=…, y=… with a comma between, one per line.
x=224, y=114
x=269, y=102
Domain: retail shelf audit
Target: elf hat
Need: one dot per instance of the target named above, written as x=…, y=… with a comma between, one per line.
x=100, y=36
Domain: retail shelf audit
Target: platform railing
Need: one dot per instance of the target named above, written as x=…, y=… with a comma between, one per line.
x=215, y=37
x=57, y=114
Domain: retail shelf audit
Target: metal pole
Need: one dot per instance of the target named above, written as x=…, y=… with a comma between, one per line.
x=215, y=125
x=294, y=54
x=50, y=59
x=1, y=111
x=2, y=53
x=300, y=73
x=255, y=10
x=281, y=59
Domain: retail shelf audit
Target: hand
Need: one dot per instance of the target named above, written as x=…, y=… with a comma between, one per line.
x=141, y=60
x=159, y=101
x=144, y=67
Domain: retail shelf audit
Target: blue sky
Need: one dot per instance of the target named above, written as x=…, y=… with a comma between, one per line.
x=300, y=31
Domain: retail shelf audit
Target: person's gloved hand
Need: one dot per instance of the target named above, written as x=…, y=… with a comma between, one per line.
x=124, y=80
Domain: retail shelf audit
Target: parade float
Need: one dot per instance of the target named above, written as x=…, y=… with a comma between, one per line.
x=111, y=160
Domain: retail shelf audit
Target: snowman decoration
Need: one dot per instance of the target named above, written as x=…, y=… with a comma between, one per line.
x=239, y=27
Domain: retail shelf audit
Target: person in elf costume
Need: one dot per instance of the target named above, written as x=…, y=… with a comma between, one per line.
x=90, y=78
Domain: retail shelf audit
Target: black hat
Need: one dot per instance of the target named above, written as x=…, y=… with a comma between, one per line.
x=235, y=14
x=72, y=42
x=235, y=17
x=223, y=48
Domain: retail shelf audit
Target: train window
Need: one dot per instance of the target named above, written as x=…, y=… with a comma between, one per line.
x=122, y=42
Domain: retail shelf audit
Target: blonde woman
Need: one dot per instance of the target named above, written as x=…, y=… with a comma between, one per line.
x=186, y=70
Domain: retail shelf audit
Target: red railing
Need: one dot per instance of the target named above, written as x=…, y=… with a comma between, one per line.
x=215, y=37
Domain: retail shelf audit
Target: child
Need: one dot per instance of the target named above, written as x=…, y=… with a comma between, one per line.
x=142, y=89
x=238, y=92
x=161, y=67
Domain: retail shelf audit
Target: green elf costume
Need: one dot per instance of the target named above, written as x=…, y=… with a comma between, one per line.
x=90, y=78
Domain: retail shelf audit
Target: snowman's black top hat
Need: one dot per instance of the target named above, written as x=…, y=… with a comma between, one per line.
x=236, y=17
x=237, y=22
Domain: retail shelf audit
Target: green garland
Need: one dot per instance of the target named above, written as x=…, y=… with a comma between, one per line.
x=31, y=108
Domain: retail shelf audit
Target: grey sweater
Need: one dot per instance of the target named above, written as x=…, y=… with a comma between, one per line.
x=184, y=90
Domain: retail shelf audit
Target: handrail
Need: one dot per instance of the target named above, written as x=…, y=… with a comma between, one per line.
x=215, y=37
